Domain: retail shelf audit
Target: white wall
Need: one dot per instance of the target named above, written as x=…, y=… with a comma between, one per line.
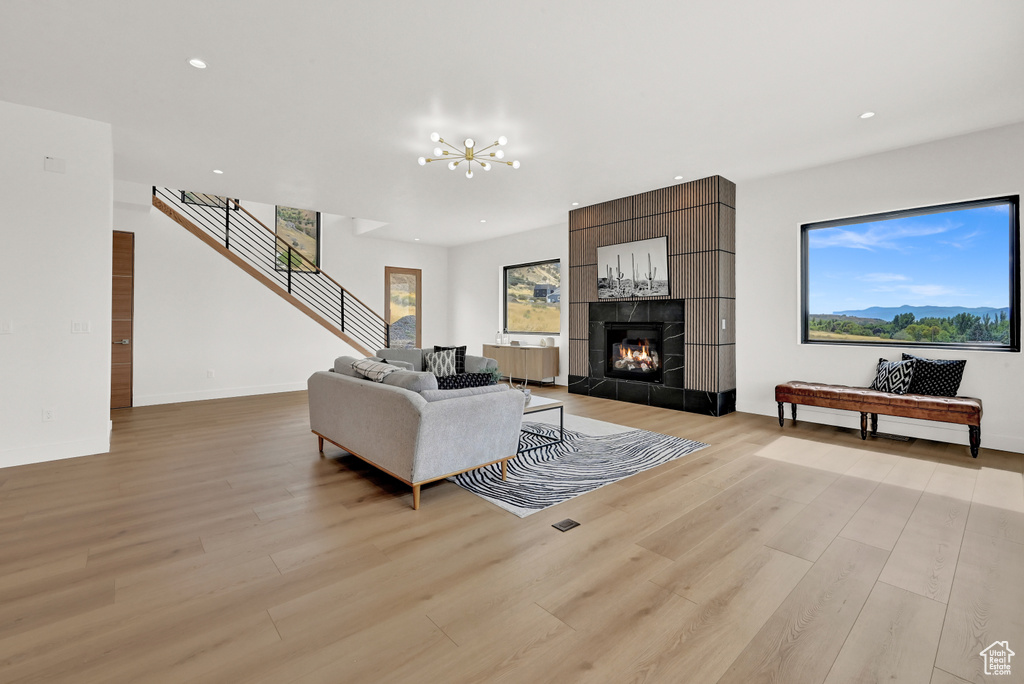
x=769, y=214
x=195, y=311
x=475, y=282
x=56, y=232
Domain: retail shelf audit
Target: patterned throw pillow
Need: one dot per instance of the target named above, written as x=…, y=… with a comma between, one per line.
x=441, y=363
x=893, y=376
x=460, y=357
x=464, y=380
x=935, y=377
x=374, y=370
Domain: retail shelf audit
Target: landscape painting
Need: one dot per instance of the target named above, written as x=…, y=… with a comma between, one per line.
x=298, y=229
x=633, y=269
x=934, y=278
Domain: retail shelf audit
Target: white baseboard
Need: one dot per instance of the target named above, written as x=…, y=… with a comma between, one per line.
x=55, y=451
x=219, y=393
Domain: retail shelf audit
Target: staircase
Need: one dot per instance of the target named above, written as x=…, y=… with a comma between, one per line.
x=229, y=228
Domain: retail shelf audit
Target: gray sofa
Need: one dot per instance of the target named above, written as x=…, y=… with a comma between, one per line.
x=411, y=431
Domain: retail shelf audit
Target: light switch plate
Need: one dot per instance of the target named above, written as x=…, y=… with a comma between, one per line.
x=81, y=327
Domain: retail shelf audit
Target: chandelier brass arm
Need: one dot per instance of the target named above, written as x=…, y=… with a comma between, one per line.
x=469, y=154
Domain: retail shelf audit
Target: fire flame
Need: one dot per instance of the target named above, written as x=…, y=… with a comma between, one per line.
x=640, y=354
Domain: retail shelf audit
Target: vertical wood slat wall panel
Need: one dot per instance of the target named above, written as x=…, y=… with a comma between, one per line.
x=701, y=323
x=727, y=229
x=726, y=367
x=579, y=321
x=700, y=367
x=579, y=361
x=698, y=218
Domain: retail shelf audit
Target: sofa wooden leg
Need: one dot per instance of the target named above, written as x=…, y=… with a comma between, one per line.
x=504, y=469
x=415, y=497
x=874, y=424
x=975, y=432
x=863, y=425
x=320, y=445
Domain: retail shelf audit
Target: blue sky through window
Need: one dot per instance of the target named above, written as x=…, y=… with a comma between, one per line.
x=953, y=258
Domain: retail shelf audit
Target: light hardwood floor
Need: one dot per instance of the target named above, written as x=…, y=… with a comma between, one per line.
x=212, y=544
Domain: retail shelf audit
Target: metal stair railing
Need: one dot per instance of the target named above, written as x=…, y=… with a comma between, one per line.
x=247, y=237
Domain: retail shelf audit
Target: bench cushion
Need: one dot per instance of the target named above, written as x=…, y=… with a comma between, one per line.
x=963, y=410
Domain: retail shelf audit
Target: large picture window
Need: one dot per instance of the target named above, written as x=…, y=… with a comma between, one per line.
x=941, y=276
x=533, y=294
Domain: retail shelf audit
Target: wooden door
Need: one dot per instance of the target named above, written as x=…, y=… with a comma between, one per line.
x=403, y=302
x=121, y=329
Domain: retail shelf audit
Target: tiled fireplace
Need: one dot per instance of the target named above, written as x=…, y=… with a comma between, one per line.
x=675, y=351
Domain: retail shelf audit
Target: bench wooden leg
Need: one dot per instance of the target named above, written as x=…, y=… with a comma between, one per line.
x=792, y=412
x=975, y=432
x=874, y=424
x=863, y=425
x=782, y=414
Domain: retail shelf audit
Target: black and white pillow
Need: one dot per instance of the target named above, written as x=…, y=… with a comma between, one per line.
x=893, y=376
x=464, y=380
x=936, y=377
x=460, y=357
x=441, y=363
x=373, y=370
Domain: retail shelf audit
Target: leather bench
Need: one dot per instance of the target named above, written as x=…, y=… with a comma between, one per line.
x=869, y=402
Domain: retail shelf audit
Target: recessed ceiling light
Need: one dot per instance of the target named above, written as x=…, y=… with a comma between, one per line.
x=197, y=63
x=217, y=171
x=867, y=115
x=678, y=178
x=483, y=220
x=575, y=204
x=416, y=239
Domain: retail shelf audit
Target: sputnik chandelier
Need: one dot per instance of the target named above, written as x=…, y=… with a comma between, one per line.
x=470, y=155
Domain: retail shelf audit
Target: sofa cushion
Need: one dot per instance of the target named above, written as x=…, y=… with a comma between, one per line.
x=440, y=363
x=460, y=357
x=935, y=377
x=893, y=376
x=374, y=370
x=343, y=365
x=479, y=364
x=454, y=382
x=413, y=381
x=404, y=365
x=413, y=356
x=441, y=395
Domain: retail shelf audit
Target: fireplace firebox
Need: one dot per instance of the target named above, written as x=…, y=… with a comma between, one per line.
x=634, y=351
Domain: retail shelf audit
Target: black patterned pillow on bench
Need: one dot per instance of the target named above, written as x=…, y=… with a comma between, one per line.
x=935, y=377
x=465, y=380
x=893, y=376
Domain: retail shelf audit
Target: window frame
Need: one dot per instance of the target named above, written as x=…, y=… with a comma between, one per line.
x=1014, y=266
x=504, y=297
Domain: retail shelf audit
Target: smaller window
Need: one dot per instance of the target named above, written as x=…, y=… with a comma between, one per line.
x=298, y=237
x=533, y=294
x=941, y=276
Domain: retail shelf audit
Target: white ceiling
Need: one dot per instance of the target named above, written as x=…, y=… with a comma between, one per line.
x=327, y=104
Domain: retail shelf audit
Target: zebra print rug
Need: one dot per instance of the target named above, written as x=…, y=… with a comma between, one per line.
x=559, y=472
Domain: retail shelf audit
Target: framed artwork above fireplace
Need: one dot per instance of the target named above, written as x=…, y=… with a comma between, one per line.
x=633, y=269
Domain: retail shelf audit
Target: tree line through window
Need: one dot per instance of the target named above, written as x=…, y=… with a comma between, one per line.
x=935, y=276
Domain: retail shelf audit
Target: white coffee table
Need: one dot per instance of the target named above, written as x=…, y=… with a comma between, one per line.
x=538, y=404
